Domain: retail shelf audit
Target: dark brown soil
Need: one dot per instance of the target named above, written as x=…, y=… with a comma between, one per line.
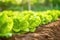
x=49, y=31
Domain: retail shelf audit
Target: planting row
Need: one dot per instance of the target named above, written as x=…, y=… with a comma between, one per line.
x=26, y=21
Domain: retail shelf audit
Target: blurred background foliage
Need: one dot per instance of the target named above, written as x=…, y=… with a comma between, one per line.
x=35, y=5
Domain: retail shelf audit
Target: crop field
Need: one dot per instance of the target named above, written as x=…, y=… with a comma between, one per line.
x=29, y=19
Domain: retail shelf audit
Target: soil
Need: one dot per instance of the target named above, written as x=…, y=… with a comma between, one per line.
x=49, y=31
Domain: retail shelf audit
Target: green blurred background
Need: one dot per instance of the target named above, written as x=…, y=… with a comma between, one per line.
x=35, y=5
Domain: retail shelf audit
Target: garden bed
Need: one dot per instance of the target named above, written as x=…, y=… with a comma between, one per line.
x=49, y=31
x=16, y=26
